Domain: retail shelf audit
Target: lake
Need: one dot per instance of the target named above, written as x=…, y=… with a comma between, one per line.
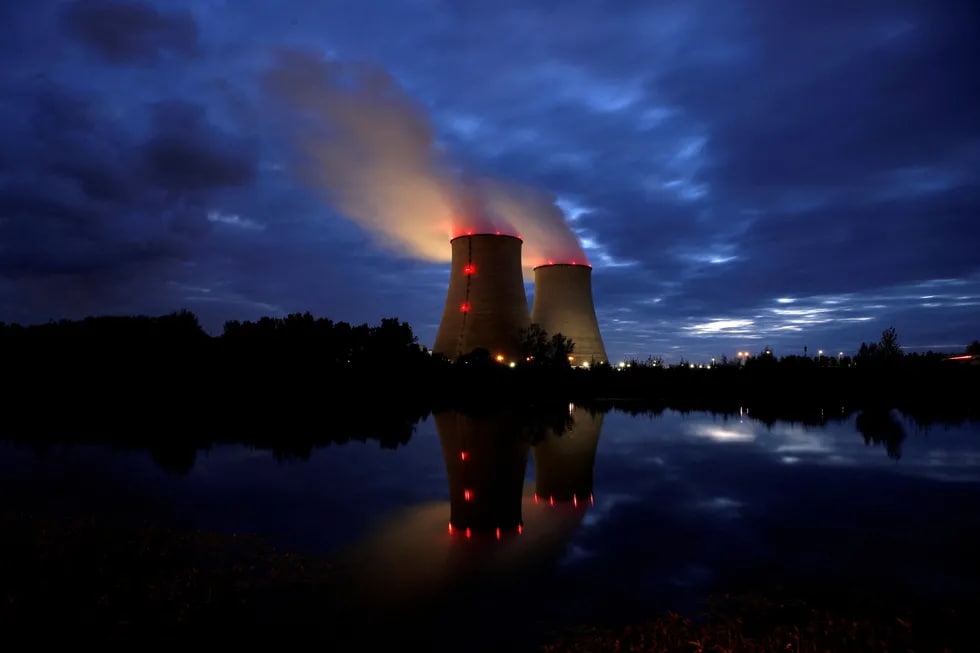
x=488, y=537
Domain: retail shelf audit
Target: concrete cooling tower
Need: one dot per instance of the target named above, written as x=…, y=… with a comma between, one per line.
x=486, y=306
x=563, y=304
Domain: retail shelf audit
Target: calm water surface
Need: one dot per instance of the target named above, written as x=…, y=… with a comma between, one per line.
x=621, y=516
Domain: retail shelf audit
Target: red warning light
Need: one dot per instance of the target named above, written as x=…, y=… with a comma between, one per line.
x=469, y=268
x=550, y=262
x=520, y=528
x=467, y=495
x=573, y=262
x=498, y=532
x=535, y=497
x=469, y=533
x=464, y=307
x=464, y=455
x=591, y=499
x=551, y=501
x=575, y=500
x=451, y=529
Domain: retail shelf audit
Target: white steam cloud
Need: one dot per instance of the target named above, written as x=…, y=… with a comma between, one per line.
x=371, y=151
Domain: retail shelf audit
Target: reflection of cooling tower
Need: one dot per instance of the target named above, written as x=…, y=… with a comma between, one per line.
x=485, y=460
x=563, y=304
x=486, y=306
x=563, y=463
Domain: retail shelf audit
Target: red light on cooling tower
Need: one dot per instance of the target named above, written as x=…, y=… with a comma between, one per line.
x=469, y=533
x=464, y=455
x=520, y=528
x=535, y=497
x=467, y=495
x=551, y=501
x=498, y=532
x=451, y=529
x=469, y=268
x=464, y=307
x=575, y=500
x=591, y=499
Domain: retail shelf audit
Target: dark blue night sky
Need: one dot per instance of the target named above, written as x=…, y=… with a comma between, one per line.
x=739, y=174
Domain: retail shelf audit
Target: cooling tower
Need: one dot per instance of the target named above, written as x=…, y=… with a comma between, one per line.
x=563, y=463
x=486, y=306
x=485, y=460
x=563, y=304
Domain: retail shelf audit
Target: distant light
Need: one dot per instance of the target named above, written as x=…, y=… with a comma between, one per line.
x=498, y=532
x=520, y=528
x=964, y=357
x=500, y=358
x=464, y=455
x=513, y=364
x=464, y=307
x=571, y=358
x=692, y=366
x=535, y=497
x=551, y=501
x=467, y=495
x=469, y=533
x=591, y=499
x=573, y=262
x=622, y=364
x=469, y=268
x=585, y=364
x=550, y=262
x=451, y=529
x=575, y=500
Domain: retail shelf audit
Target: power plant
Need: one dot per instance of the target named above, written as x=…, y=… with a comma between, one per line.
x=486, y=306
x=563, y=304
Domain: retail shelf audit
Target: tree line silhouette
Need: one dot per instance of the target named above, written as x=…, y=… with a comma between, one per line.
x=164, y=367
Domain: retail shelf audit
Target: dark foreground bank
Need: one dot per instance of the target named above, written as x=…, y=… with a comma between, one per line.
x=103, y=580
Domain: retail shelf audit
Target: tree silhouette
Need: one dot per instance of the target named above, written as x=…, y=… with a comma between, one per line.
x=540, y=348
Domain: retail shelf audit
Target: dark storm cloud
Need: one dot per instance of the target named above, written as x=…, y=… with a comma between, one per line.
x=91, y=209
x=130, y=32
x=187, y=154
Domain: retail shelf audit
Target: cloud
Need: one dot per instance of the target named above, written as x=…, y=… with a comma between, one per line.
x=123, y=32
x=372, y=152
x=95, y=215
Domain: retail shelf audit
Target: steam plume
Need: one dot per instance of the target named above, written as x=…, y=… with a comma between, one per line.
x=371, y=151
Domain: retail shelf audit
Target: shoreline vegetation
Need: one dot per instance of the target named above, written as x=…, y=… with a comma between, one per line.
x=292, y=384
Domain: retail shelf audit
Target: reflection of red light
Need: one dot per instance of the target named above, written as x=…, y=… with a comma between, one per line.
x=451, y=529
x=591, y=499
x=520, y=528
x=535, y=497
x=463, y=455
x=469, y=268
x=469, y=533
x=498, y=532
x=467, y=495
x=465, y=307
x=965, y=357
